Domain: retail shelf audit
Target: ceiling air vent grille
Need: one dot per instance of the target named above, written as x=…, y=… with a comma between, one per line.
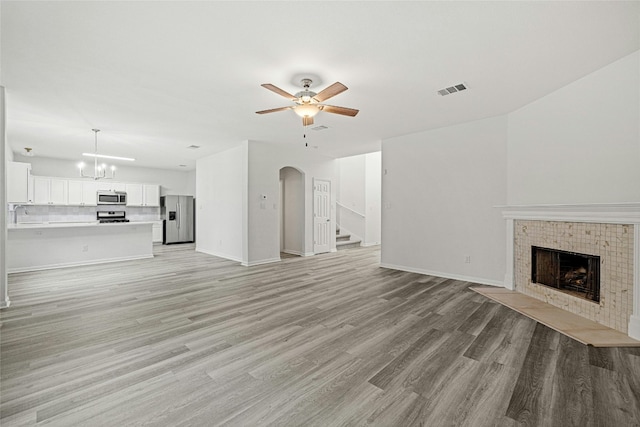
x=452, y=89
x=321, y=127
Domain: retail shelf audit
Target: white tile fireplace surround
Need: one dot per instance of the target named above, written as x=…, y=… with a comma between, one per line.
x=610, y=231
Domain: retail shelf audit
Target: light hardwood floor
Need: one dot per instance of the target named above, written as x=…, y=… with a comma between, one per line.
x=330, y=340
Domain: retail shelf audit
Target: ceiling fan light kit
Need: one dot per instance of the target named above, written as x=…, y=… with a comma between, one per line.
x=309, y=103
x=306, y=110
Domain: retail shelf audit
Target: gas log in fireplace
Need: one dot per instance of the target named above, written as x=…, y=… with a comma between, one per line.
x=570, y=272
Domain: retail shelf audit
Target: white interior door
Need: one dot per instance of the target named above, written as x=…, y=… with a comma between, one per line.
x=321, y=216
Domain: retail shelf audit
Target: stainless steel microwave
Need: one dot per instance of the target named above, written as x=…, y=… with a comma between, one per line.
x=112, y=198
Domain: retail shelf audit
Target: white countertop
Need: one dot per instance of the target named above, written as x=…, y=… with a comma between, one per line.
x=61, y=224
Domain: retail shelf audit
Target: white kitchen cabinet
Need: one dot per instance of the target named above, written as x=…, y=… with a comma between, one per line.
x=151, y=195
x=89, y=193
x=157, y=231
x=19, y=183
x=135, y=194
x=49, y=191
x=58, y=191
x=40, y=190
x=74, y=196
x=143, y=195
x=107, y=185
x=82, y=193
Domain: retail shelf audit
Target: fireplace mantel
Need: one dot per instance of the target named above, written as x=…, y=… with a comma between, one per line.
x=601, y=213
x=605, y=213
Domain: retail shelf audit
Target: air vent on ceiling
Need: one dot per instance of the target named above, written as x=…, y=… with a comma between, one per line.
x=321, y=127
x=452, y=89
x=193, y=147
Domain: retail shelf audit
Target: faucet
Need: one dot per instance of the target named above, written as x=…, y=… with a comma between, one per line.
x=15, y=212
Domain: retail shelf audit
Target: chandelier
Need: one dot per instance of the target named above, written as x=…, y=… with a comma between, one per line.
x=99, y=170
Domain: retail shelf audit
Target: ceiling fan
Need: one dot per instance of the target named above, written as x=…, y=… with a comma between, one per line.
x=309, y=103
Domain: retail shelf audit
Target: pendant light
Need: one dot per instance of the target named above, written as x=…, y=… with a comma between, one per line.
x=99, y=171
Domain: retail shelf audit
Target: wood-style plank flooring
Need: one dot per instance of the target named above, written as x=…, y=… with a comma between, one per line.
x=187, y=339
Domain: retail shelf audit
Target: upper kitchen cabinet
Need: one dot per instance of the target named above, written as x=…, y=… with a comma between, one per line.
x=19, y=183
x=143, y=195
x=110, y=186
x=135, y=194
x=50, y=191
x=151, y=195
x=82, y=193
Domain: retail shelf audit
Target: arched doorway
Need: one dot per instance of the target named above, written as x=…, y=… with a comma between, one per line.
x=291, y=211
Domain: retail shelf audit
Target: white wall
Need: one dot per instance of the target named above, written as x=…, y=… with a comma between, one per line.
x=360, y=190
x=4, y=157
x=8, y=153
x=292, y=210
x=439, y=189
x=265, y=162
x=351, y=194
x=171, y=182
x=351, y=189
x=581, y=143
x=373, y=197
x=221, y=192
x=190, y=188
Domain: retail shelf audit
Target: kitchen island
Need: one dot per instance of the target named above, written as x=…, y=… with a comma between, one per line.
x=39, y=246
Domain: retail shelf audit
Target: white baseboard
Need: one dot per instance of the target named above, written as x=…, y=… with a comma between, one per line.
x=366, y=245
x=308, y=254
x=634, y=327
x=75, y=264
x=218, y=254
x=296, y=253
x=4, y=304
x=479, y=280
x=260, y=262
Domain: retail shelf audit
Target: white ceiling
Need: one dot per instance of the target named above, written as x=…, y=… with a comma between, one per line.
x=157, y=77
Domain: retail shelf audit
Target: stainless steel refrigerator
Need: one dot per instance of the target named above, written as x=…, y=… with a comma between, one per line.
x=178, y=219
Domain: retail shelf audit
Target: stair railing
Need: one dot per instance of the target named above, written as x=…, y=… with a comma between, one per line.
x=351, y=210
x=350, y=221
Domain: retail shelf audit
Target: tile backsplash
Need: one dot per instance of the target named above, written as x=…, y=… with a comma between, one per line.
x=41, y=213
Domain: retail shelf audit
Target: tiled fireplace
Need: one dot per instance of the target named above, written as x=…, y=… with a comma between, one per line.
x=575, y=246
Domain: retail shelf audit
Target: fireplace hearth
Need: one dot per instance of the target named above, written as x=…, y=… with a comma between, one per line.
x=610, y=231
x=574, y=273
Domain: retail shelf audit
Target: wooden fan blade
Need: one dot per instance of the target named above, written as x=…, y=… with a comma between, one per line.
x=307, y=121
x=330, y=91
x=273, y=110
x=339, y=110
x=279, y=91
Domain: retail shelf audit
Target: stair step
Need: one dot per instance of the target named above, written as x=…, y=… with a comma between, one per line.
x=343, y=237
x=347, y=244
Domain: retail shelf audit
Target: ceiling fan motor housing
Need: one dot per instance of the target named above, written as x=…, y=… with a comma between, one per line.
x=305, y=96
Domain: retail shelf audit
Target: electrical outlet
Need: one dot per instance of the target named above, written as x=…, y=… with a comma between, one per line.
x=467, y=259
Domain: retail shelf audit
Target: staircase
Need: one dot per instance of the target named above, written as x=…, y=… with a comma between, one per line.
x=344, y=241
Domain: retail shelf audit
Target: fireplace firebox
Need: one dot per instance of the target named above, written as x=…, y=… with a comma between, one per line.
x=573, y=273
